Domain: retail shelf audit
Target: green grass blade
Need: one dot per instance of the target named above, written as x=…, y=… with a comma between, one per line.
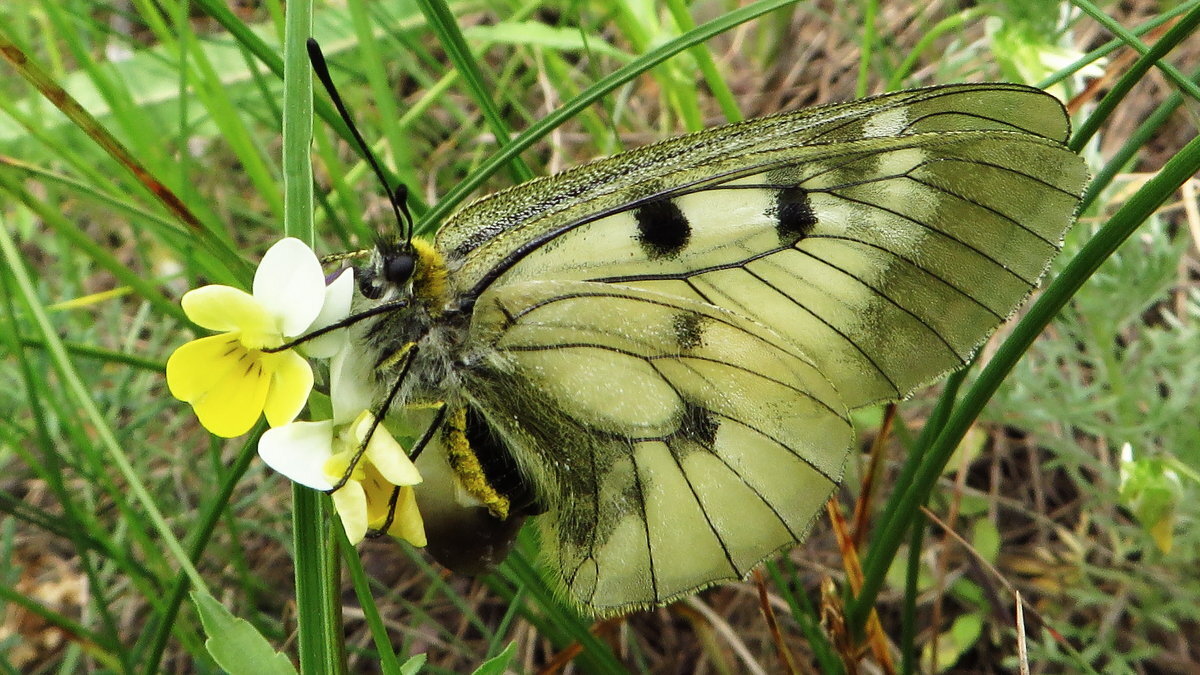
x=320, y=643
x=592, y=94
x=1114, y=44
x=442, y=23
x=83, y=399
x=155, y=641
x=388, y=663
x=1150, y=58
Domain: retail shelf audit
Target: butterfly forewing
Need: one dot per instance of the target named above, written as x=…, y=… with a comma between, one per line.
x=488, y=236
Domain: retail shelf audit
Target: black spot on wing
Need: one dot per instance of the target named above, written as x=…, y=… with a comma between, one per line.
x=794, y=214
x=698, y=424
x=663, y=230
x=689, y=329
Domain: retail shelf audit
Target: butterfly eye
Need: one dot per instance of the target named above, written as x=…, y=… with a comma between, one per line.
x=398, y=269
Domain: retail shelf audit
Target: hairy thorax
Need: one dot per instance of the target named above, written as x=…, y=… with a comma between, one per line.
x=417, y=345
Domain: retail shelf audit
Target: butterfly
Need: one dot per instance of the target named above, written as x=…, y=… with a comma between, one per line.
x=656, y=354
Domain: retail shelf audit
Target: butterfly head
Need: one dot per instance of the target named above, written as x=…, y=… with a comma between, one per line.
x=388, y=271
x=400, y=269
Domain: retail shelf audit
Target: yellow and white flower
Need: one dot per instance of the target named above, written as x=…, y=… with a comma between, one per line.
x=229, y=379
x=318, y=454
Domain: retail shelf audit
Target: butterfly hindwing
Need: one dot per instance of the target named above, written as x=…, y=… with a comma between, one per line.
x=677, y=444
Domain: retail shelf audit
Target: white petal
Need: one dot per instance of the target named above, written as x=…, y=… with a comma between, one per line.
x=289, y=282
x=349, y=383
x=336, y=308
x=299, y=451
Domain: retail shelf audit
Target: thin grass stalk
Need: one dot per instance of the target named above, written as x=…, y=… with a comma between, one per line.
x=1114, y=44
x=80, y=241
x=388, y=662
x=806, y=617
x=93, y=643
x=205, y=525
x=344, y=205
x=1172, y=73
x=682, y=98
x=144, y=180
x=708, y=68
x=916, y=454
x=268, y=56
x=1136, y=140
x=81, y=501
x=555, y=621
x=908, y=610
x=866, y=47
x=83, y=399
x=103, y=181
x=1152, y=57
x=53, y=473
x=321, y=644
x=162, y=227
x=372, y=68
x=946, y=25
x=207, y=85
x=437, y=586
x=114, y=91
x=511, y=613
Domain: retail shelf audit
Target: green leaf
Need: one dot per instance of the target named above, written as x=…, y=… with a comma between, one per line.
x=234, y=644
x=413, y=665
x=952, y=644
x=498, y=663
x=986, y=540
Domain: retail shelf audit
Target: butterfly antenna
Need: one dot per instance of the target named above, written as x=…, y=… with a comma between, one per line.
x=399, y=196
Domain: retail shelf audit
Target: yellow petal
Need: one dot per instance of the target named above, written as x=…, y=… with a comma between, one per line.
x=225, y=308
x=351, y=505
x=234, y=403
x=1162, y=533
x=378, y=492
x=407, y=524
x=194, y=368
x=390, y=459
x=406, y=519
x=291, y=383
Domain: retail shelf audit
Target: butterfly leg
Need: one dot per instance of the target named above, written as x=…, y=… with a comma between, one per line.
x=422, y=442
x=473, y=500
x=402, y=359
x=466, y=465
